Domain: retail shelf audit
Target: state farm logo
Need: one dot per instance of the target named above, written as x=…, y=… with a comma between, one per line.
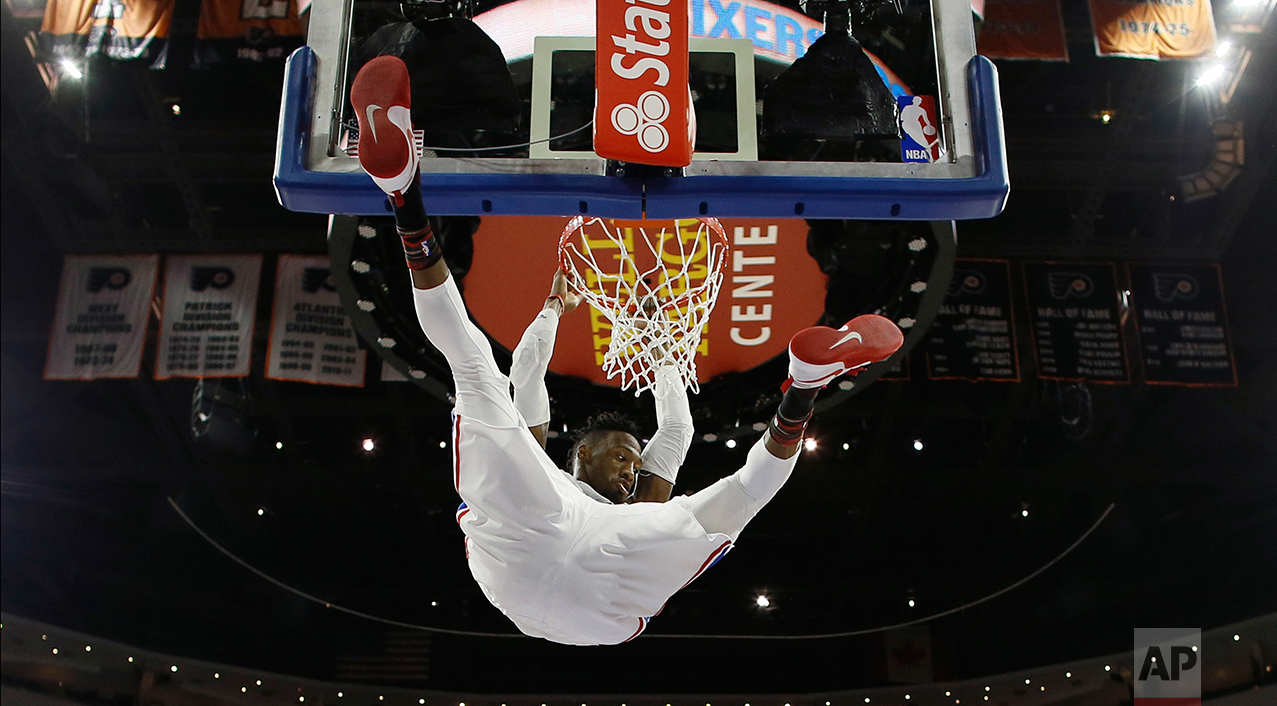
x=642, y=81
x=644, y=120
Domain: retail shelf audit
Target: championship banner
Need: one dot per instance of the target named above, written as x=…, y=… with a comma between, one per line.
x=246, y=30
x=1182, y=325
x=973, y=335
x=1023, y=29
x=771, y=290
x=122, y=31
x=210, y=306
x=65, y=29
x=104, y=303
x=1077, y=329
x=311, y=338
x=1153, y=29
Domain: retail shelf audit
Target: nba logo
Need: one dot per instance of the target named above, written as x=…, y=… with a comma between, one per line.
x=919, y=130
x=1168, y=667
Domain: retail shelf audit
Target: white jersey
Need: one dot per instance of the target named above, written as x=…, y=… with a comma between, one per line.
x=549, y=552
x=560, y=564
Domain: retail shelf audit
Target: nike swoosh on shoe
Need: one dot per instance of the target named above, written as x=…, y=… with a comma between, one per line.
x=372, y=124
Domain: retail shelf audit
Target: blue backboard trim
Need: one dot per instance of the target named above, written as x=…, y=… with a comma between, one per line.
x=539, y=194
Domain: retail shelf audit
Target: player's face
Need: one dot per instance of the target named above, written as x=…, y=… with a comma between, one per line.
x=610, y=465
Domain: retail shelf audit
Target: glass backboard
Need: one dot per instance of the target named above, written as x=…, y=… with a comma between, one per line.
x=790, y=121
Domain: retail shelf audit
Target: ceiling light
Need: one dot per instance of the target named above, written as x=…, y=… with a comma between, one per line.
x=1106, y=116
x=731, y=443
x=279, y=444
x=261, y=511
x=1223, y=48
x=912, y=603
x=917, y=445
x=809, y=444
x=1107, y=668
x=173, y=668
x=1024, y=513
x=71, y=69
x=243, y=690
x=259, y=682
x=762, y=601
x=845, y=446
x=1211, y=75
x=55, y=650
x=177, y=109
x=88, y=648
x=1236, y=638
x=1068, y=675
x=443, y=444
x=217, y=675
x=369, y=445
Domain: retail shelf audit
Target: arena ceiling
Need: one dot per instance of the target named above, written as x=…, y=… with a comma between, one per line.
x=92, y=542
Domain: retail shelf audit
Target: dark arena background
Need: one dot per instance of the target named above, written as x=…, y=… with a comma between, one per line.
x=1080, y=442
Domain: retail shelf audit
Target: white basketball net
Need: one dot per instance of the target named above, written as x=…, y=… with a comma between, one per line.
x=655, y=283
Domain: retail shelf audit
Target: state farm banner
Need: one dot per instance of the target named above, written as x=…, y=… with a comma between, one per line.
x=246, y=30
x=104, y=303
x=771, y=290
x=210, y=306
x=1023, y=29
x=643, y=108
x=311, y=338
x=1153, y=29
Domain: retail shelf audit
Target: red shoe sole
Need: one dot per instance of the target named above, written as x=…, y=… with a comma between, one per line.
x=878, y=339
x=382, y=82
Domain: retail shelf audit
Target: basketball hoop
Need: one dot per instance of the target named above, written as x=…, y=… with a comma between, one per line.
x=656, y=283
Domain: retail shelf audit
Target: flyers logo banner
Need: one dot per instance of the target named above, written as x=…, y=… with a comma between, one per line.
x=1153, y=29
x=771, y=290
x=1182, y=324
x=973, y=335
x=643, y=107
x=1077, y=326
x=104, y=303
x=311, y=337
x=1023, y=29
x=210, y=308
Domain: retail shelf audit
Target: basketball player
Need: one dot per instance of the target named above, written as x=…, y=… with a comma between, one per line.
x=586, y=559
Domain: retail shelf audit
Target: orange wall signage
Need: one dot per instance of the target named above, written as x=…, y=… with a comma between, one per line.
x=771, y=290
x=1153, y=29
x=1023, y=29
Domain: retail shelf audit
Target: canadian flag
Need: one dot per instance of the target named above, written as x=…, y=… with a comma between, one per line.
x=909, y=655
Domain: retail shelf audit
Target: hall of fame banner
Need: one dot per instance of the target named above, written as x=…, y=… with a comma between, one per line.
x=210, y=307
x=1077, y=326
x=311, y=337
x=1182, y=325
x=973, y=335
x=104, y=304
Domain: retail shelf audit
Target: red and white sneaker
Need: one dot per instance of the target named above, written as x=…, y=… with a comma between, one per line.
x=819, y=354
x=382, y=96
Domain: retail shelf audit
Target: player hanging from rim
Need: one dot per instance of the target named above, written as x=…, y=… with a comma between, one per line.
x=591, y=560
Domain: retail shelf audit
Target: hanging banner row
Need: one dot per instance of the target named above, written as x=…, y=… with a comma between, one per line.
x=207, y=319
x=1139, y=29
x=1077, y=312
